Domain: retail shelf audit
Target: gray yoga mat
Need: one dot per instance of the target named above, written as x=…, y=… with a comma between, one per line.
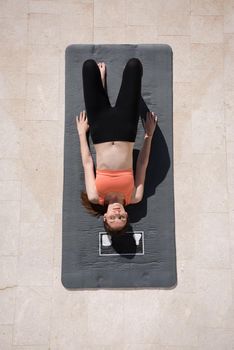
x=146, y=255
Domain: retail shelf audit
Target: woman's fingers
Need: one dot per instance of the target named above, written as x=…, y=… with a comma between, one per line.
x=152, y=116
x=82, y=116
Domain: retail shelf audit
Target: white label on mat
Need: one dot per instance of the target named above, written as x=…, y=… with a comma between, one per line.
x=131, y=243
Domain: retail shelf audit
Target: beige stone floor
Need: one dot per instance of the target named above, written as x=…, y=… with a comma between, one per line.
x=36, y=311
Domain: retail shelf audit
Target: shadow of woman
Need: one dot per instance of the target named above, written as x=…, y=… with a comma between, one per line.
x=125, y=244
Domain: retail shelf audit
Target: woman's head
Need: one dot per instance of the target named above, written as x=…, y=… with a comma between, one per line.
x=116, y=218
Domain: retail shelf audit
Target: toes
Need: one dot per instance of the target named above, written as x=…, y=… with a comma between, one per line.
x=101, y=64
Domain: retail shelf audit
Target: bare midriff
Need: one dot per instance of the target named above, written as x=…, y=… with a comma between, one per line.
x=115, y=155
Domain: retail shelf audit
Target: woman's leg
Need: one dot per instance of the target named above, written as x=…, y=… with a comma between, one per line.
x=130, y=91
x=128, y=101
x=95, y=96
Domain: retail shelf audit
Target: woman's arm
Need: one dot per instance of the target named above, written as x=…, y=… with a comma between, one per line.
x=141, y=167
x=143, y=158
x=82, y=128
x=90, y=184
x=87, y=160
x=85, y=151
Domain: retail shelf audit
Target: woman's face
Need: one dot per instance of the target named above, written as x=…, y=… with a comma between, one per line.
x=116, y=216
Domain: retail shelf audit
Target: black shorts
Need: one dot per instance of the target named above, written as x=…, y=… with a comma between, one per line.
x=107, y=123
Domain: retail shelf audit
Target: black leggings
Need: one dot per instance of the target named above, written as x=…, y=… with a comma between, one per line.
x=107, y=123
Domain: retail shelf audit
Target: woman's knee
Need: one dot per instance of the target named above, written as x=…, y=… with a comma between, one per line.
x=89, y=63
x=135, y=63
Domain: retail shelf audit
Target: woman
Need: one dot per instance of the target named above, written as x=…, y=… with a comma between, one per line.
x=113, y=132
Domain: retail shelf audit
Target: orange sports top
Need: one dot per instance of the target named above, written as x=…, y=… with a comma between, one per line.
x=114, y=181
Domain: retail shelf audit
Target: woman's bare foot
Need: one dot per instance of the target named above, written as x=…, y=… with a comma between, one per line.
x=102, y=68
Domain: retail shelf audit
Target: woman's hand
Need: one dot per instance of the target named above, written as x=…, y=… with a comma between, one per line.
x=150, y=123
x=82, y=123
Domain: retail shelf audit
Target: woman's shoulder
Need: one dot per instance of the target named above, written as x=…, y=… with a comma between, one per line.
x=95, y=200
